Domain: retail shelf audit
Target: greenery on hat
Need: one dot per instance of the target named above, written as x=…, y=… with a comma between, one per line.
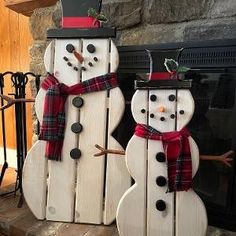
x=100, y=17
x=173, y=67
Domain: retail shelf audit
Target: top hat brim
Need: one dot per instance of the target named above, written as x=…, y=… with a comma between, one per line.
x=162, y=84
x=66, y=33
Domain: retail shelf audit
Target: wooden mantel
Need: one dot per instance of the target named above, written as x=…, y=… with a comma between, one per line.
x=26, y=7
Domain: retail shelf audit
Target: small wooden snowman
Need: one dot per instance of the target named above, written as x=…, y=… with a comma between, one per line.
x=78, y=106
x=162, y=158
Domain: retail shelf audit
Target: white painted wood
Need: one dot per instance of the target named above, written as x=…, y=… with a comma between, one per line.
x=35, y=180
x=114, y=57
x=139, y=102
x=195, y=156
x=61, y=182
x=191, y=217
x=190, y=212
x=117, y=177
x=131, y=212
x=49, y=57
x=90, y=172
x=39, y=104
x=158, y=223
x=184, y=102
x=168, y=106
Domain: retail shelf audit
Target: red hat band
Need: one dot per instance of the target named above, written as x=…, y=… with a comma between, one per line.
x=80, y=22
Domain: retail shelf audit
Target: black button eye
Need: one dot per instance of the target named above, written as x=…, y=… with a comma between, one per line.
x=70, y=48
x=143, y=110
x=152, y=115
x=153, y=98
x=91, y=48
x=172, y=98
x=90, y=64
x=181, y=112
x=172, y=116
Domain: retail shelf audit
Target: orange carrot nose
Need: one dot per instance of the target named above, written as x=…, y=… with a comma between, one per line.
x=78, y=56
x=162, y=109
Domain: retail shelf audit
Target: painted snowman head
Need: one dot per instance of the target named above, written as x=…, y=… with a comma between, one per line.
x=164, y=105
x=81, y=49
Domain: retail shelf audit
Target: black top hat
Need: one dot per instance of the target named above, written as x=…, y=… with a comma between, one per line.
x=76, y=22
x=159, y=77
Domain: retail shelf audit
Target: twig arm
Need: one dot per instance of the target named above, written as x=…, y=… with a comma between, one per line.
x=225, y=158
x=11, y=101
x=104, y=151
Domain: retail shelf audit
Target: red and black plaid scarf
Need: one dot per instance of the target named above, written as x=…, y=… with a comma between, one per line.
x=53, y=125
x=178, y=154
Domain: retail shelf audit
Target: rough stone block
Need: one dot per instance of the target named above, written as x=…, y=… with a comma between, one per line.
x=209, y=30
x=151, y=34
x=40, y=21
x=224, y=8
x=37, y=50
x=122, y=13
x=159, y=11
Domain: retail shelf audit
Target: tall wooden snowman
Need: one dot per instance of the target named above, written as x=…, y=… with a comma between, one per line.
x=78, y=106
x=162, y=158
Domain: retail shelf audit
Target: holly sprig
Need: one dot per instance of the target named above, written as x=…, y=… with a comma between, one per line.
x=173, y=67
x=100, y=17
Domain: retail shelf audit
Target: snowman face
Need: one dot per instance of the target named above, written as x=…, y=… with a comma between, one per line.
x=164, y=110
x=77, y=60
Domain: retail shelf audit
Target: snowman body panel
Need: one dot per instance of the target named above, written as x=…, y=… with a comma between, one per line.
x=61, y=181
x=74, y=188
x=184, y=213
x=34, y=177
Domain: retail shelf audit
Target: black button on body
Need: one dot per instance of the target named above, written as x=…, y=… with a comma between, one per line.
x=153, y=98
x=160, y=205
x=161, y=181
x=181, y=112
x=78, y=102
x=75, y=153
x=70, y=48
x=172, y=98
x=76, y=128
x=91, y=48
x=161, y=157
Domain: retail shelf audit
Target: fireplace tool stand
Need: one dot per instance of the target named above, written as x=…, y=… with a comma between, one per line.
x=19, y=81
